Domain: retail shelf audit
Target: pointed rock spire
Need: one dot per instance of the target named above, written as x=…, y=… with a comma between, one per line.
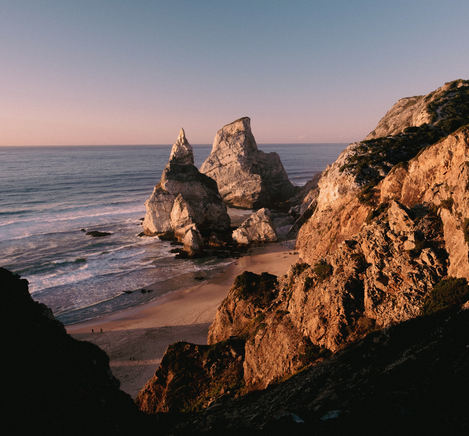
x=246, y=176
x=182, y=152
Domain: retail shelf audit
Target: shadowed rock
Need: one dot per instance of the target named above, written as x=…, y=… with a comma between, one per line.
x=257, y=228
x=51, y=383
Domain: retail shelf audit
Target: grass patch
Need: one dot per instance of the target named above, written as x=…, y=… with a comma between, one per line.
x=261, y=289
x=447, y=294
x=299, y=268
x=447, y=204
x=323, y=270
x=383, y=207
x=308, y=283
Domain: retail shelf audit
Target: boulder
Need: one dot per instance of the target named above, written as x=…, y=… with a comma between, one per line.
x=97, y=234
x=184, y=198
x=246, y=176
x=257, y=228
x=193, y=242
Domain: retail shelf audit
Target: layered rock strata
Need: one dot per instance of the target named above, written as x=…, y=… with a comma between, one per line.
x=246, y=176
x=185, y=200
x=257, y=228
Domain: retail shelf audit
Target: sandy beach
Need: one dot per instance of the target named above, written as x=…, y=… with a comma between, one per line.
x=136, y=339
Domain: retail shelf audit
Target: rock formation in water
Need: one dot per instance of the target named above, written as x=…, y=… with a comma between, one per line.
x=246, y=176
x=185, y=200
x=388, y=221
x=257, y=228
x=51, y=383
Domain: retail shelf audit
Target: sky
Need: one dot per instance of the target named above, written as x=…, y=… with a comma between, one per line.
x=98, y=72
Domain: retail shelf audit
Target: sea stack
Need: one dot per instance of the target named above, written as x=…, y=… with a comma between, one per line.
x=184, y=199
x=246, y=176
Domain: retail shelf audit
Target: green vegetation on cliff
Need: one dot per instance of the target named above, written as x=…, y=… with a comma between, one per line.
x=374, y=158
x=447, y=294
x=261, y=289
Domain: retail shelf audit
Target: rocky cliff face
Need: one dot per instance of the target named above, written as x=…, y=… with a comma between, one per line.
x=408, y=379
x=246, y=176
x=423, y=109
x=347, y=188
x=51, y=383
x=185, y=200
x=207, y=371
x=388, y=221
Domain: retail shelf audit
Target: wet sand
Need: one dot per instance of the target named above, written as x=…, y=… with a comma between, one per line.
x=136, y=339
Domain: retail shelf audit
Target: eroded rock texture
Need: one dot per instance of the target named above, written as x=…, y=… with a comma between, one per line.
x=206, y=371
x=257, y=228
x=348, y=189
x=246, y=176
x=386, y=223
x=409, y=379
x=185, y=200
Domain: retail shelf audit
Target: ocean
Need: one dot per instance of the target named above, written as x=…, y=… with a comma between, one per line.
x=49, y=195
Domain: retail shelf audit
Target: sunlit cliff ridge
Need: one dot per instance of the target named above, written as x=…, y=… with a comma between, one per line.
x=365, y=334
x=388, y=222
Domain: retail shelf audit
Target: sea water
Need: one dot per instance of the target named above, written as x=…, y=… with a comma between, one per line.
x=49, y=197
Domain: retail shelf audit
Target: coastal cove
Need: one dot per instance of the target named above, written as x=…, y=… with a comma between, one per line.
x=136, y=339
x=52, y=193
x=344, y=314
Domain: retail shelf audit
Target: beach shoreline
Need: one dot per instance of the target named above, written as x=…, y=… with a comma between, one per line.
x=135, y=339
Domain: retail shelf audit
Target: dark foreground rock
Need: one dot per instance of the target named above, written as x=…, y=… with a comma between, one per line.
x=51, y=383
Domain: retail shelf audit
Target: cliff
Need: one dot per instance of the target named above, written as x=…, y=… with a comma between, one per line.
x=410, y=379
x=51, y=383
x=206, y=371
x=387, y=222
x=246, y=176
x=348, y=189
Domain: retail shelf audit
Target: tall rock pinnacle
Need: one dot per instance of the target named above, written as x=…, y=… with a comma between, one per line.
x=182, y=152
x=185, y=199
x=246, y=176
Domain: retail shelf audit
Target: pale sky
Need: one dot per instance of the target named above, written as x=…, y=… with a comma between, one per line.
x=78, y=72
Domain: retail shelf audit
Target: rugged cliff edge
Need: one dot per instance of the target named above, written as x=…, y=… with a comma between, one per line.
x=387, y=223
x=246, y=176
x=51, y=383
x=410, y=379
x=348, y=188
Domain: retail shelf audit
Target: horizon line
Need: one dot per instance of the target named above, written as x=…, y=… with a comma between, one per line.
x=159, y=145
